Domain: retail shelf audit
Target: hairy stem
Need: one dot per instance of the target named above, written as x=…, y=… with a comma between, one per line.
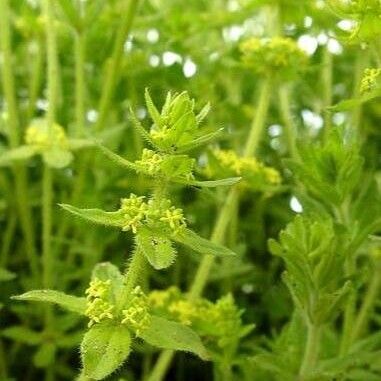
x=115, y=62
x=220, y=228
x=19, y=173
x=132, y=275
x=79, y=45
x=288, y=120
x=311, y=351
x=367, y=306
x=327, y=72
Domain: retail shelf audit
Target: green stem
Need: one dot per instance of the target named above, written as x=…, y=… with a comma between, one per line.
x=79, y=45
x=114, y=64
x=35, y=82
x=47, y=258
x=19, y=173
x=218, y=234
x=311, y=352
x=288, y=120
x=132, y=275
x=7, y=239
x=360, y=65
x=327, y=89
x=366, y=308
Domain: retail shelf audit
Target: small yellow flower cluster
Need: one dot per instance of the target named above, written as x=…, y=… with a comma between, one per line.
x=150, y=162
x=138, y=212
x=226, y=318
x=223, y=317
x=98, y=308
x=134, y=210
x=161, y=298
x=184, y=311
x=160, y=134
x=369, y=79
x=174, y=218
x=272, y=55
x=38, y=135
x=246, y=166
x=137, y=315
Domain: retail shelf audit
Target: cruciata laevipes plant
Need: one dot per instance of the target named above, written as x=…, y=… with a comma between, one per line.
x=108, y=192
x=117, y=308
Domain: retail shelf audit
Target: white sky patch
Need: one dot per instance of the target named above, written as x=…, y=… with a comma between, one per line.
x=308, y=44
x=92, y=116
x=346, y=25
x=154, y=60
x=141, y=113
x=322, y=38
x=295, y=205
x=233, y=33
x=170, y=58
x=339, y=118
x=334, y=46
x=307, y=22
x=275, y=130
x=233, y=6
x=189, y=68
x=312, y=120
x=42, y=104
x=153, y=35
x=128, y=45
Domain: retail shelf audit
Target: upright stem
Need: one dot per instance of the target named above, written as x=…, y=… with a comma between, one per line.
x=115, y=61
x=327, y=89
x=132, y=275
x=79, y=83
x=222, y=222
x=19, y=173
x=311, y=351
x=370, y=298
x=47, y=181
x=288, y=121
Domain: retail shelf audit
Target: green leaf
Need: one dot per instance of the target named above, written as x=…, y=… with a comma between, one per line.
x=68, y=302
x=45, y=355
x=107, y=271
x=166, y=334
x=117, y=159
x=104, y=349
x=141, y=130
x=189, y=238
x=15, y=154
x=212, y=183
x=71, y=13
x=158, y=250
x=202, y=140
x=57, y=157
x=154, y=113
x=76, y=144
x=22, y=334
x=98, y=216
x=6, y=275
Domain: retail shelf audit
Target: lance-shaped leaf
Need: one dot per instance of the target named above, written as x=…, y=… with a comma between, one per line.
x=153, y=111
x=68, y=302
x=118, y=159
x=98, y=216
x=57, y=157
x=166, y=334
x=16, y=154
x=158, y=250
x=104, y=348
x=210, y=183
x=201, y=245
x=202, y=140
x=141, y=130
x=6, y=275
x=22, y=334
